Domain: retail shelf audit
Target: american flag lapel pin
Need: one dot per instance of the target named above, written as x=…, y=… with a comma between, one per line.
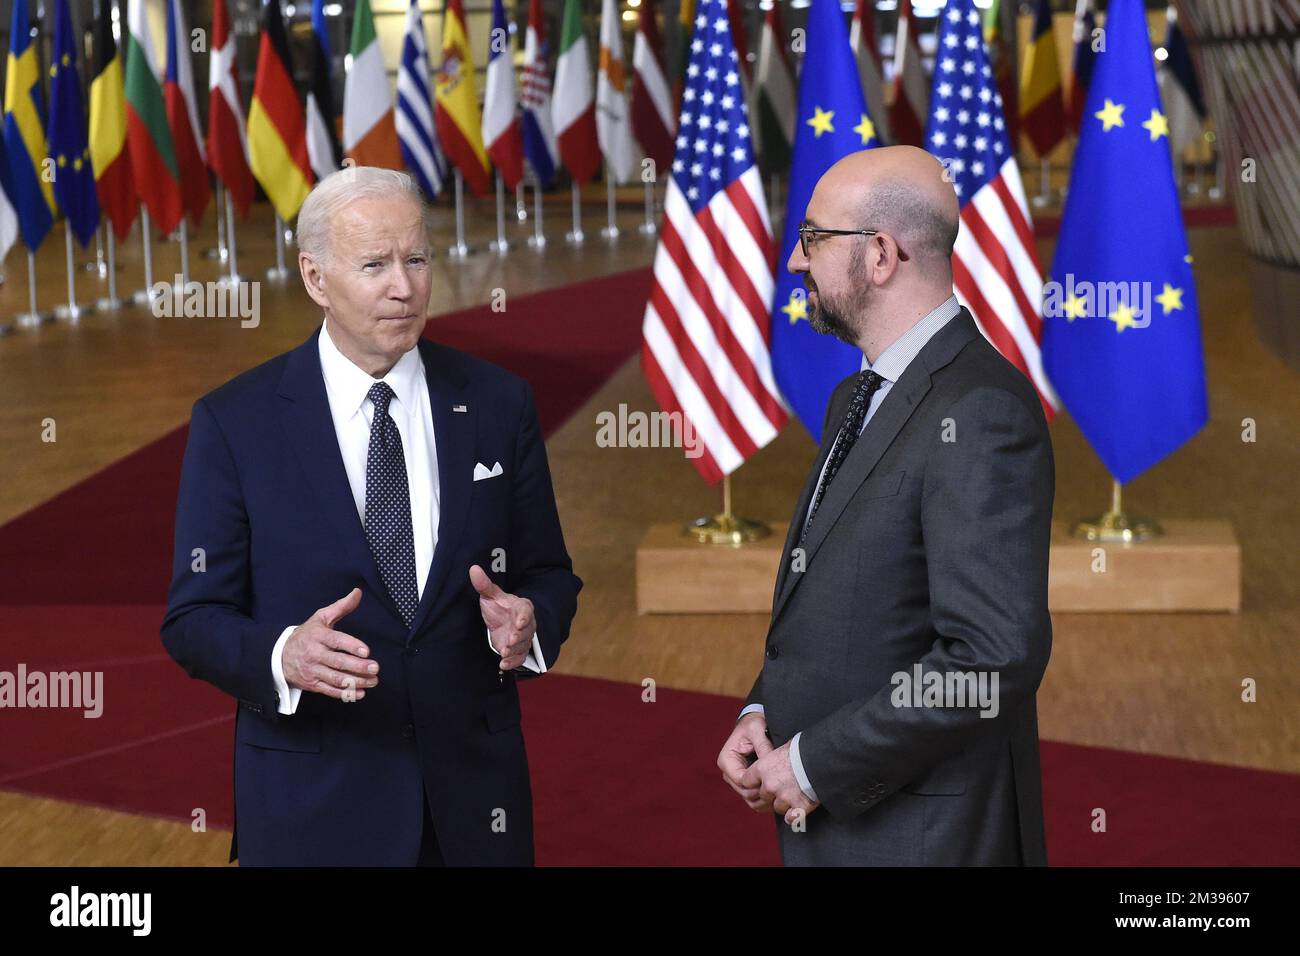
x=459, y=408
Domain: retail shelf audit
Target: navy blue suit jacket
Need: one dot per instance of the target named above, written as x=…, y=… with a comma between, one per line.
x=265, y=496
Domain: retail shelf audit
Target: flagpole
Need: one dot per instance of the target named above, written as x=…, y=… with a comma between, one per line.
x=230, y=237
x=98, y=265
x=221, y=252
x=537, y=240
x=111, y=301
x=500, y=245
x=31, y=316
x=460, y=250
x=71, y=312
x=725, y=528
x=279, y=272
x=647, y=228
x=610, y=231
x=1117, y=524
x=146, y=295
x=185, y=254
x=521, y=202
x=1044, y=183
x=575, y=237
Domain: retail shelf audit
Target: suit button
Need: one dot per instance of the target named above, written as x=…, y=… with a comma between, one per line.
x=772, y=653
x=863, y=800
x=408, y=731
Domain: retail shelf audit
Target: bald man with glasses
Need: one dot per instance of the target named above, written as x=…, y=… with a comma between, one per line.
x=894, y=719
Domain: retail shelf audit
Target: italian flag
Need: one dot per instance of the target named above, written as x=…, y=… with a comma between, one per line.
x=153, y=157
x=573, y=107
x=369, y=130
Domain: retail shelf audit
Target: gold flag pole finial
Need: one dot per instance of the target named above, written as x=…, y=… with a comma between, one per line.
x=726, y=528
x=1117, y=524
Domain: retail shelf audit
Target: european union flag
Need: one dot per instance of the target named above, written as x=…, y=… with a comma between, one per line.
x=1121, y=335
x=25, y=132
x=832, y=122
x=74, y=178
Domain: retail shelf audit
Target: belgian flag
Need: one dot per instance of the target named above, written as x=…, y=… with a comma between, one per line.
x=277, y=129
x=108, y=154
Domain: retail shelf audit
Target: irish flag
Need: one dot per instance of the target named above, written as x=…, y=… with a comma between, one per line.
x=369, y=132
x=456, y=113
x=153, y=157
x=572, y=105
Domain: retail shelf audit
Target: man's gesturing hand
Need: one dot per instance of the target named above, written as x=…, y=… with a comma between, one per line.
x=325, y=661
x=778, y=790
x=510, y=620
x=748, y=739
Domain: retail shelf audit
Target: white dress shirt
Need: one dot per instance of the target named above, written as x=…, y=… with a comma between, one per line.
x=347, y=387
x=889, y=365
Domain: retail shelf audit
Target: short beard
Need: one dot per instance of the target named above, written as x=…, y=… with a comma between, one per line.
x=831, y=318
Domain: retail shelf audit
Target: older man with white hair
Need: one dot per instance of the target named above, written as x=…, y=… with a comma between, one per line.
x=367, y=557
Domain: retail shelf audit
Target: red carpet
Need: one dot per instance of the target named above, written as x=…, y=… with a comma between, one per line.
x=567, y=342
x=615, y=779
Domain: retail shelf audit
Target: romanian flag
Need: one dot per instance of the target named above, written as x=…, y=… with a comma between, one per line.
x=277, y=129
x=32, y=193
x=153, y=157
x=456, y=113
x=108, y=155
x=1042, y=109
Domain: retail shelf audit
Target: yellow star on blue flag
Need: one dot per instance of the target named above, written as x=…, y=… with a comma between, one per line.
x=1132, y=375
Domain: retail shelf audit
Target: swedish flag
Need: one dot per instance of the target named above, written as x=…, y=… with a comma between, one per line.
x=33, y=194
x=831, y=122
x=1121, y=335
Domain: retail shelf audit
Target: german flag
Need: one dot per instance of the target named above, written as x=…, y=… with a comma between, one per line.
x=1042, y=108
x=108, y=154
x=277, y=130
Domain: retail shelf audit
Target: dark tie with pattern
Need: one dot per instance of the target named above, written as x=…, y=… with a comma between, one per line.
x=868, y=382
x=388, y=506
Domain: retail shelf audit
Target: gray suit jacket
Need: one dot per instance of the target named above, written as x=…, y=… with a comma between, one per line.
x=930, y=547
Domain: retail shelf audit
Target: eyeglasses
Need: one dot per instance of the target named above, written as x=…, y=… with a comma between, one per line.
x=805, y=231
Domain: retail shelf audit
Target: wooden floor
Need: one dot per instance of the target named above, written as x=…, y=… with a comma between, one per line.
x=1161, y=684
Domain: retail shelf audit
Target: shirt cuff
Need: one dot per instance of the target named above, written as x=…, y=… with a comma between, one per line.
x=797, y=766
x=535, y=661
x=752, y=709
x=286, y=695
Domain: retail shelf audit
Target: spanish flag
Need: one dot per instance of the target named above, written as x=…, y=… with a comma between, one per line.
x=277, y=130
x=1042, y=108
x=108, y=154
x=456, y=112
x=33, y=193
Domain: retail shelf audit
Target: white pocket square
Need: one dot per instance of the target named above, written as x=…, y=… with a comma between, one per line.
x=481, y=471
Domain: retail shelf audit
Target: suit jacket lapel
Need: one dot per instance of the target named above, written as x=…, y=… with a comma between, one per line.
x=879, y=433
x=308, y=429
x=453, y=435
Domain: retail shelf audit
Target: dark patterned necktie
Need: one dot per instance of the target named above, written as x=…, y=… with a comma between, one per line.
x=388, y=506
x=868, y=382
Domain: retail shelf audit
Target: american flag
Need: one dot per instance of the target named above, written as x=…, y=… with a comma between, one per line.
x=706, y=349
x=995, y=266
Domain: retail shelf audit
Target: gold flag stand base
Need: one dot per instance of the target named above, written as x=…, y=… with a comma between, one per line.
x=1117, y=524
x=726, y=528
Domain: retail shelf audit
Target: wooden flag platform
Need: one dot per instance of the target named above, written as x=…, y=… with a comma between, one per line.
x=1194, y=566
